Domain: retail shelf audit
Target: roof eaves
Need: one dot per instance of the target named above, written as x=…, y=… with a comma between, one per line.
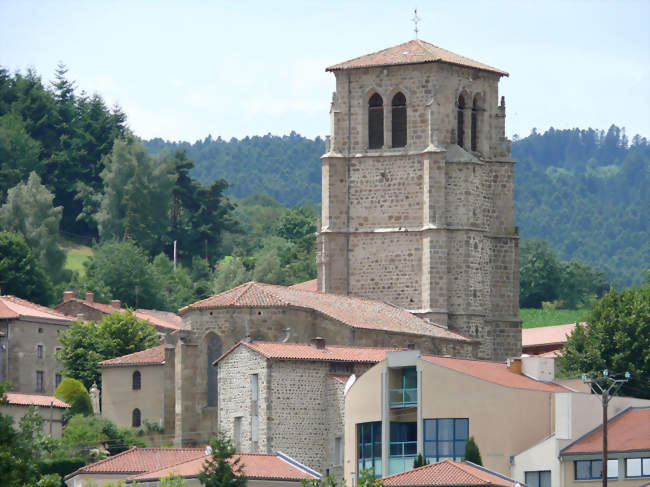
x=81, y=470
x=594, y=430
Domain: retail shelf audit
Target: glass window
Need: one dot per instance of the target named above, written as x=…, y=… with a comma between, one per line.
x=255, y=425
x=593, y=469
x=399, y=120
x=254, y=387
x=445, y=438
x=460, y=120
x=375, y=122
x=39, y=381
x=338, y=450
x=136, y=418
x=637, y=467
x=137, y=380
x=538, y=479
x=57, y=380
x=369, y=447
x=39, y=351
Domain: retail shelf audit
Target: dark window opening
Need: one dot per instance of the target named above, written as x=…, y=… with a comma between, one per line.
x=136, y=418
x=213, y=353
x=57, y=380
x=39, y=351
x=474, y=134
x=369, y=447
x=399, y=120
x=445, y=438
x=375, y=122
x=40, y=386
x=460, y=129
x=137, y=380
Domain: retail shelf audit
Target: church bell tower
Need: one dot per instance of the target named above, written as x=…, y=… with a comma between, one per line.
x=418, y=192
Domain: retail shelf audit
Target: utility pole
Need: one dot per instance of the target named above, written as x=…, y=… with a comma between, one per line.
x=605, y=386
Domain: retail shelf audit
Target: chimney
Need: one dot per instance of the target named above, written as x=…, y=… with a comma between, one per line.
x=539, y=368
x=410, y=346
x=318, y=343
x=514, y=364
x=68, y=295
x=116, y=303
x=90, y=296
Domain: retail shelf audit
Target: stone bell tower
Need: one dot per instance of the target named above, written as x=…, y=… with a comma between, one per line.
x=418, y=196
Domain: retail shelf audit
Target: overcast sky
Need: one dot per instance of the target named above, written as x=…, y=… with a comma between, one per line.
x=185, y=69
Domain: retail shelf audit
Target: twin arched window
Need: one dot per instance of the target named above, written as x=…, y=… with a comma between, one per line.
x=376, y=121
x=474, y=122
x=137, y=380
x=136, y=418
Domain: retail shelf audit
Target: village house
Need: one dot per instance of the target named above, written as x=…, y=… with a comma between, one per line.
x=28, y=344
x=147, y=466
x=49, y=408
x=415, y=403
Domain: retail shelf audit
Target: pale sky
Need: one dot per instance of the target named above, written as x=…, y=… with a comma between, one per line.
x=185, y=69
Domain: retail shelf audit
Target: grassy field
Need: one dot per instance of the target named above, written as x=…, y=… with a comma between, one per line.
x=76, y=255
x=533, y=318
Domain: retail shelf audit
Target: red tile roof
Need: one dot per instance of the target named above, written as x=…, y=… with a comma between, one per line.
x=352, y=311
x=12, y=307
x=412, y=52
x=495, y=372
x=307, y=285
x=449, y=473
x=305, y=351
x=141, y=460
x=628, y=430
x=20, y=399
x=161, y=320
x=256, y=466
x=150, y=356
x=546, y=335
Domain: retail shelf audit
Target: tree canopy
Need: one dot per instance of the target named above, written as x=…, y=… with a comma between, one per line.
x=223, y=468
x=617, y=338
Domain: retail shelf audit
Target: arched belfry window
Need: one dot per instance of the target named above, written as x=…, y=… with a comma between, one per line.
x=474, y=135
x=399, y=120
x=137, y=380
x=213, y=353
x=460, y=129
x=136, y=418
x=375, y=122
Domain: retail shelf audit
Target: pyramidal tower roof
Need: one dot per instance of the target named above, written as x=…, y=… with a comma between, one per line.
x=412, y=52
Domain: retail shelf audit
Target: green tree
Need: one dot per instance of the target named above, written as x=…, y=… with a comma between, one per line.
x=73, y=392
x=172, y=481
x=296, y=223
x=420, y=461
x=223, y=468
x=472, y=453
x=29, y=211
x=230, y=273
x=120, y=270
x=85, y=433
x=617, y=338
x=21, y=274
x=177, y=286
x=86, y=344
x=19, y=153
x=540, y=274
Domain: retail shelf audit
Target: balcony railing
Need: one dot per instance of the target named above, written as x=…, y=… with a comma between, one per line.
x=401, y=398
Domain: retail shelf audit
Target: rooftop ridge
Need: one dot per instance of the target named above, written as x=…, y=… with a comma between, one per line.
x=110, y=361
x=29, y=304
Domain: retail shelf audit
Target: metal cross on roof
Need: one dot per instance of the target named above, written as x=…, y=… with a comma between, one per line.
x=415, y=21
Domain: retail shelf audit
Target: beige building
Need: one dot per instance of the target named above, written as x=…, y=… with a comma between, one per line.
x=133, y=389
x=28, y=342
x=147, y=466
x=49, y=408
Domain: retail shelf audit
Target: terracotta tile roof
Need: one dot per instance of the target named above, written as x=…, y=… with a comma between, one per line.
x=495, y=372
x=307, y=285
x=256, y=466
x=12, y=307
x=628, y=430
x=449, y=473
x=161, y=320
x=305, y=351
x=150, y=356
x=141, y=460
x=352, y=311
x=546, y=335
x=20, y=399
x=412, y=52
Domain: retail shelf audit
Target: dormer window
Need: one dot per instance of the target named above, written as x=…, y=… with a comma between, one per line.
x=375, y=122
x=399, y=120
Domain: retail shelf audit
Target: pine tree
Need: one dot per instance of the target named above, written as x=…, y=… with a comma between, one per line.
x=223, y=468
x=420, y=461
x=472, y=453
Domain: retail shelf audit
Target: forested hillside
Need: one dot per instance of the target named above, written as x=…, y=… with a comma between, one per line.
x=584, y=191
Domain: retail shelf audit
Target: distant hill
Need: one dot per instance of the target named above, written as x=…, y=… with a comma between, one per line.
x=584, y=191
